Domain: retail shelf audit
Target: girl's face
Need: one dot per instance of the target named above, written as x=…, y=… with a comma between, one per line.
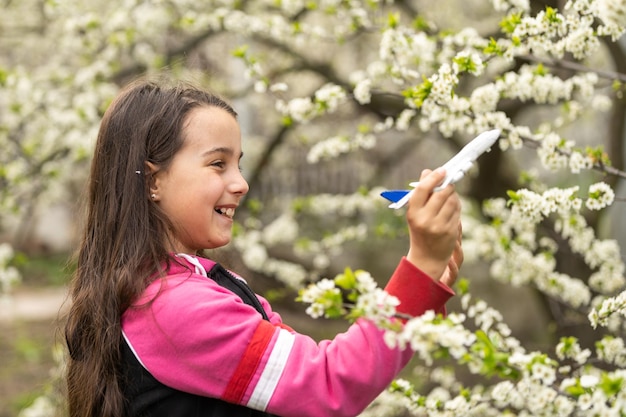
x=203, y=186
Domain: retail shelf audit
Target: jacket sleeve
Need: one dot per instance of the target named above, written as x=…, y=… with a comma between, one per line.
x=417, y=292
x=197, y=337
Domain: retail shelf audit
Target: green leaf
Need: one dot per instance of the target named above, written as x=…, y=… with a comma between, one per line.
x=334, y=304
x=393, y=19
x=552, y=16
x=540, y=70
x=611, y=385
x=493, y=48
x=287, y=121
x=347, y=280
x=617, y=85
x=575, y=390
x=463, y=286
x=510, y=22
x=465, y=64
x=420, y=24
x=598, y=155
x=363, y=190
x=4, y=75
x=526, y=177
x=513, y=196
x=254, y=205
x=419, y=93
x=568, y=342
x=240, y=51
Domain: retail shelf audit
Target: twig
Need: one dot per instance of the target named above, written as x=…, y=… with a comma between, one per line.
x=574, y=66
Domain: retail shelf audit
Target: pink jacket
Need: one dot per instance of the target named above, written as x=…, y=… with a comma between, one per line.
x=199, y=337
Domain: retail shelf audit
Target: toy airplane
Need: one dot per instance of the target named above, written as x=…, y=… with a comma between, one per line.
x=455, y=167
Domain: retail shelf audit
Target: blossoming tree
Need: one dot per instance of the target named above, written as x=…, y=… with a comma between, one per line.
x=375, y=80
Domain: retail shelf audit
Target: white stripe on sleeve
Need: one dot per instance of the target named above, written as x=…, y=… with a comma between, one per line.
x=273, y=370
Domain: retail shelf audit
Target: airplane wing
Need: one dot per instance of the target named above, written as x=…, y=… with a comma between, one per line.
x=455, y=168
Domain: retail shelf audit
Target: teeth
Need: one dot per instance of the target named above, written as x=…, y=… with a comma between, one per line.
x=228, y=212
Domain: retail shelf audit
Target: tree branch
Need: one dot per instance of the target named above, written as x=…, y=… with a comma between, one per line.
x=574, y=67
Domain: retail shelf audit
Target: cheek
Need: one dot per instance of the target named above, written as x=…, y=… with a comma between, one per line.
x=213, y=190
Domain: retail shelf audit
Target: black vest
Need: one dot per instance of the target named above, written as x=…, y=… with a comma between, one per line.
x=147, y=397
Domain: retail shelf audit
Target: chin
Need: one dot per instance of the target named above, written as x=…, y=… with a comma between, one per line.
x=218, y=243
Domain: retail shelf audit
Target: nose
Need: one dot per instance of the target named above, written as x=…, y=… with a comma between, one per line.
x=239, y=185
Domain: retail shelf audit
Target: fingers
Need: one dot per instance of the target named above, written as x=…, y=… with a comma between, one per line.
x=434, y=219
x=428, y=205
x=458, y=255
x=424, y=174
x=429, y=180
x=451, y=274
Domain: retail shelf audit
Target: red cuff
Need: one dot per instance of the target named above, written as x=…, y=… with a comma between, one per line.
x=417, y=291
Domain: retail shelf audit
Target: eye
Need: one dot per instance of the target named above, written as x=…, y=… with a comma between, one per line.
x=218, y=164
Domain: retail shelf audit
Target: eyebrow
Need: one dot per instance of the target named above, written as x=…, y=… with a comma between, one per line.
x=221, y=149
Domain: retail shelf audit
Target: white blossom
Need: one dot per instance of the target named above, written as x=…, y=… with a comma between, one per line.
x=362, y=92
x=612, y=350
x=41, y=407
x=485, y=98
x=612, y=12
x=53, y=108
x=283, y=229
x=9, y=275
x=600, y=196
x=578, y=162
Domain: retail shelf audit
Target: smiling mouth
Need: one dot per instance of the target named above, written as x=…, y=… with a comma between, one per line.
x=228, y=212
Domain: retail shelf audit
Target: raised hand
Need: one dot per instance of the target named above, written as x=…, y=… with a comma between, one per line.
x=434, y=228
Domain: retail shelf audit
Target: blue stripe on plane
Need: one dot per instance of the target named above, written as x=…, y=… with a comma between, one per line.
x=394, y=195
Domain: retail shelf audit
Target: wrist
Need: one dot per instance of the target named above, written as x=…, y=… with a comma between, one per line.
x=431, y=267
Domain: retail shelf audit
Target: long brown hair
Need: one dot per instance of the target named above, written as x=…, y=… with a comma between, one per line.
x=125, y=236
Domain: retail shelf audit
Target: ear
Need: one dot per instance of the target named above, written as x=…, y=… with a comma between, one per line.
x=152, y=177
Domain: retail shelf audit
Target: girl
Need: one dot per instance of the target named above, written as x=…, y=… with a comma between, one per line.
x=157, y=330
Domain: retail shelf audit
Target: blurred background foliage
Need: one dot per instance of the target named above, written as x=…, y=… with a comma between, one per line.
x=61, y=62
